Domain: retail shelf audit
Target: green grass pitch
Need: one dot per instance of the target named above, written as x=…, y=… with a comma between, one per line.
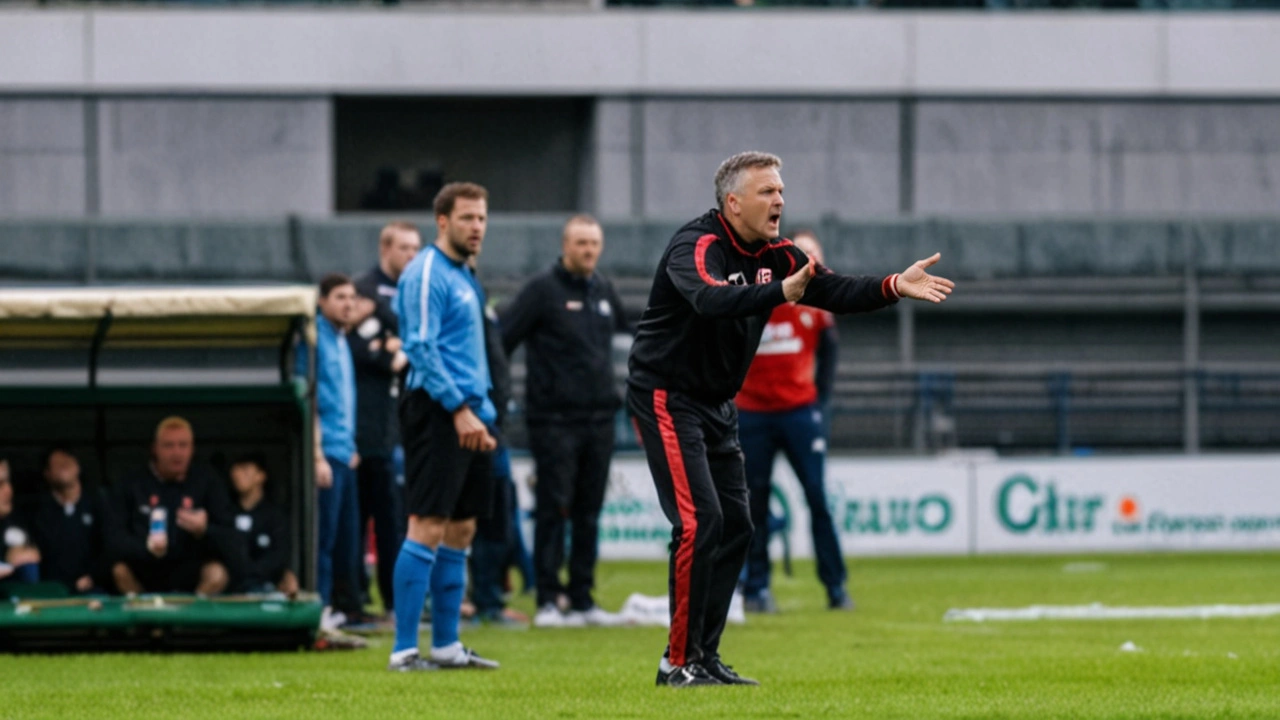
x=893, y=657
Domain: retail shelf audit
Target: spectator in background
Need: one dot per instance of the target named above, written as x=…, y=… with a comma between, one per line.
x=264, y=528
x=566, y=317
x=781, y=406
x=398, y=243
x=69, y=525
x=337, y=509
x=379, y=360
x=19, y=561
x=171, y=521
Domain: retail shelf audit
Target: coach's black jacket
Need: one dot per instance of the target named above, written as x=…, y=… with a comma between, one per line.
x=567, y=324
x=709, y=303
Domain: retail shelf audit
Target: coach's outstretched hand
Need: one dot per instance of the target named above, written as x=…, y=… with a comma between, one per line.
x=914, y=282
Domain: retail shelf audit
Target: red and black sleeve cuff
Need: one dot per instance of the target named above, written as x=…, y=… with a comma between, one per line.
x=889, y=287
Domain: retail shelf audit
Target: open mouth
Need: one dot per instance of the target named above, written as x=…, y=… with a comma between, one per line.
x=775, y=218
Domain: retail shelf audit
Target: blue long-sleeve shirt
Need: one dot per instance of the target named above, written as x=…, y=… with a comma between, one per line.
x=441, y=310
x=335, y=390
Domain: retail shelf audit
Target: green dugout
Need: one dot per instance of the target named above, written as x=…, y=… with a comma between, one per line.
x=95, y=369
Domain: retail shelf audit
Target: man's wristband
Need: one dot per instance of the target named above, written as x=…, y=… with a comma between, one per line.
x=889, y=287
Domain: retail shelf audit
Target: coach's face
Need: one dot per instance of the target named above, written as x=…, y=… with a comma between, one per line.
x=464, y=227
x=757, y=204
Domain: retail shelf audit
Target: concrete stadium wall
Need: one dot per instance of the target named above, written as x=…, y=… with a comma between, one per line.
x=418, y=51
x=217, y=112
x=654, y=157
x=215, y=157
x=1097, y=157
x=42, y=157
x=657, y=157
x=165, y=157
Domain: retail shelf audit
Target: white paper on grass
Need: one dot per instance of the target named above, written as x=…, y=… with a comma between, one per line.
x=656, y=610
x=1098, y=611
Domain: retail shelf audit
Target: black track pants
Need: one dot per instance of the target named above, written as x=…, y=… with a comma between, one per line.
x=696, y=462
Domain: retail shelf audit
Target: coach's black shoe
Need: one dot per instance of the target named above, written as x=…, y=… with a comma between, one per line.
x=725, y=674
x=690, y=675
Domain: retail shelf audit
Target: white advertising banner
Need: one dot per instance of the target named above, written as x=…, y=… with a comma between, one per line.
x=882, y=507
x=1136, y=503
x=983, y=505
x=878, y=506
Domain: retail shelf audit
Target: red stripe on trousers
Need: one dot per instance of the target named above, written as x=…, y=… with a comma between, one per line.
x=688, y=523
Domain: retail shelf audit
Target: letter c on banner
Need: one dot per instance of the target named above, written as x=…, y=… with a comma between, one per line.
x=1003, y=502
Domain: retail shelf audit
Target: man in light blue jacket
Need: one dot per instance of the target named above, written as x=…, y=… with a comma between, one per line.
x=447, y=427
x=337, y=508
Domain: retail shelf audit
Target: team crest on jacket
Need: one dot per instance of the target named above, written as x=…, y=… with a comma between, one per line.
x=764, y=275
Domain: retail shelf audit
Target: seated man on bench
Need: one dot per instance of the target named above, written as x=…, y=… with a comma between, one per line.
x=171, y=521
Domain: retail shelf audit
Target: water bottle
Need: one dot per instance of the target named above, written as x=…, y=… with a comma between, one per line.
x=159, y=522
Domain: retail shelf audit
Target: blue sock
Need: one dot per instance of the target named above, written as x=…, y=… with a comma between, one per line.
x=410, y=580
x=448, y=581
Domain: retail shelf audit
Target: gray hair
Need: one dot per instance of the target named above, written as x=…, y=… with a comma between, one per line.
x=729, y=176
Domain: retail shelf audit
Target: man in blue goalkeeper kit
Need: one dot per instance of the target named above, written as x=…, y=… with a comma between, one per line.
x=447, y=427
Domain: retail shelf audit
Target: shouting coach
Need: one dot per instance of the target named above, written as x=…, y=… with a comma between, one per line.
x=716, y=285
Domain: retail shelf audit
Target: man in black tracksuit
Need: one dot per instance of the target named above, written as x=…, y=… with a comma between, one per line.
x=716, y=285
x=378, y=360
x=567, y=317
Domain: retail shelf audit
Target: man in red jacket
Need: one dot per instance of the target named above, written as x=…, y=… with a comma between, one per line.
x=782, y=406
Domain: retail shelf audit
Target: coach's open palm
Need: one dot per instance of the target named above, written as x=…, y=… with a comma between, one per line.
x=914, y=282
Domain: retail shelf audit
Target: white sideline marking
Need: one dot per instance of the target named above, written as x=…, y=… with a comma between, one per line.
x=1098, y=611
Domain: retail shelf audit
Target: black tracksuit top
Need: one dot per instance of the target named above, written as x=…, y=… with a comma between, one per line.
x=711, y=298
x=377, y=432
x=73, y=543
x=567, y=325
x=264, y=530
